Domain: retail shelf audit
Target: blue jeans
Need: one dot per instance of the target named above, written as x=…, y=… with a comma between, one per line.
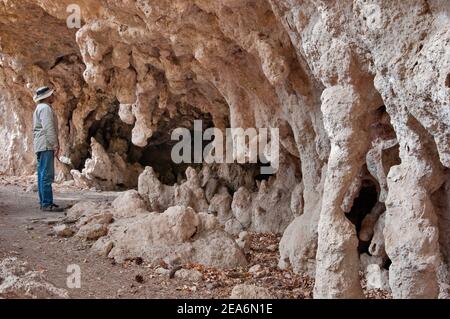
x=46, y=176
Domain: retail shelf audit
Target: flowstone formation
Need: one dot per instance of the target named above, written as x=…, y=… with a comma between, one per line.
x=359, y=90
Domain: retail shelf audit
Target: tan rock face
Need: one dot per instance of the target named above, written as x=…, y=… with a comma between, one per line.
x=250, y=292
x=178, y=233
x=360, y=92
x=18, y=281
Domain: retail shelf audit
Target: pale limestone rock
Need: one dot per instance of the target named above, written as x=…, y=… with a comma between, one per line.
x=298, y=245
x=242, y=207
x=351, y=194
x=106, y=171
x=367, y=260
x=101, y=218
x=243, y=241
x=19, y=282
x=63, y=230
x=377, y=245
x=368, y=224
x=377, y=278
x=220, y=205
x=297, y=200
x=128, y=204
x=178, y=233
x=233, y=227
x=268, y=209
x=85, y=209
x=208, y=222
x=415, y=261
x=102, y=247
x=336, y=273
x=159, y=197
x=162, y=271
x=189, y=274
x=375, y=165
x=126, y=114
x=250, y=292
x=256, y=269
x=92, y=231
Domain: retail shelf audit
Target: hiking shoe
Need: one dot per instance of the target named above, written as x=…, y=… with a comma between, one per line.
x=52, y=208
x=53, y=205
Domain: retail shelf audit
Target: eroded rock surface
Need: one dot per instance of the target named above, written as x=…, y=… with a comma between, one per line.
x=17, y=281
x=359, y=90
x=179, y=233
x=250, y=292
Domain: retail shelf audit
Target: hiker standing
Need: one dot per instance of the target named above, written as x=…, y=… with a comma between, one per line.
x=46, y=146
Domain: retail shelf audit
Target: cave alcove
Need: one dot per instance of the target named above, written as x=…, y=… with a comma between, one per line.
x=362, y=206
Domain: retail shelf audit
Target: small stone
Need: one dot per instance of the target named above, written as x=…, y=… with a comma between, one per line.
x=250, y=292
x=366, y=260
x=243, y=241
x=102, y=247
x=63, y=231
x=189, y=274
x=255, y=269
x=162, y=271
x=213, y=285
x=377, y=278
x=92, y=231
x=233, y=227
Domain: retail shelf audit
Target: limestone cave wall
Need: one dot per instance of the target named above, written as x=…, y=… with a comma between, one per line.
x=360, y=91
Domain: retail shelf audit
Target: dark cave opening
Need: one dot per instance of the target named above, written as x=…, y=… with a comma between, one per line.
x=387, y=263
x=115, y=137
x=362, y=206
x=158, y=152
x=159, y=157
x=261, y=176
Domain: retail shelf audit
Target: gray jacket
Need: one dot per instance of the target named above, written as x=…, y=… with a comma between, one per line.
x=45, y=128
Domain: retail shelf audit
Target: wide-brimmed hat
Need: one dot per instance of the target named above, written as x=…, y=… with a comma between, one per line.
x=42, y=93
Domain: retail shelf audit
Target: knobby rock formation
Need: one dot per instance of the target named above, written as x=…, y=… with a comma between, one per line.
x=359, y=90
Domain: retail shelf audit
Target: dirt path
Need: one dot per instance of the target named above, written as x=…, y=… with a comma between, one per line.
x=26, y=233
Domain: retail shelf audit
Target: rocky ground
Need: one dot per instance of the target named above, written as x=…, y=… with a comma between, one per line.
x=359, y=91
x=28, y=241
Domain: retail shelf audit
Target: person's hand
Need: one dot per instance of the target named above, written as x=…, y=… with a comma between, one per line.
x=56, y=152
